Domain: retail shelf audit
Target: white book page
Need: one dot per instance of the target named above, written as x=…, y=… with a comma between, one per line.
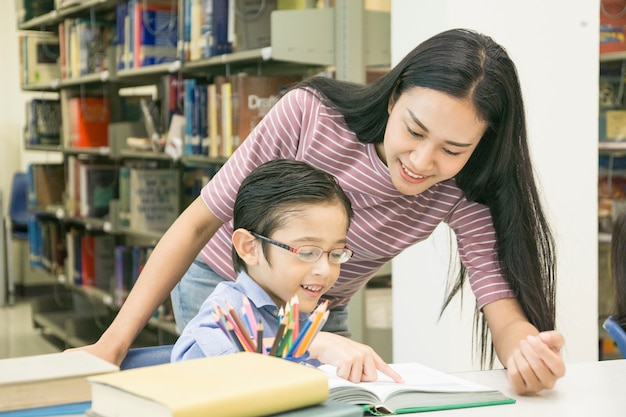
x=416, y=377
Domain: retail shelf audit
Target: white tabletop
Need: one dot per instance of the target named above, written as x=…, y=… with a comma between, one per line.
x=587, y=389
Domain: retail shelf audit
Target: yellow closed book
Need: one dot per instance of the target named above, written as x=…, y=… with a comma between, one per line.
x=243, y=384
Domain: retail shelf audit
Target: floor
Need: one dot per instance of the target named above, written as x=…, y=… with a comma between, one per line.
x=18, y=337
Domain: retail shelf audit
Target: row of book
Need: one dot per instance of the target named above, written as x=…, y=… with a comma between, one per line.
x=38, y=57
x=218, y=115
x=216, y=27
x=221, y=114
x=97, y=261
x=91, y=185
x=43, y=122
x=46, y=245
x=140, y=33
x=150, y=198
x=45, y=185
x=86, y=259
x=76, y=119
x=30, y=9
x=146, y=33
x=84, y=45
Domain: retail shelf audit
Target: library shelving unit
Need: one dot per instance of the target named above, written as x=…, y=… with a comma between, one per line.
x=303, y=42
x=612, y=180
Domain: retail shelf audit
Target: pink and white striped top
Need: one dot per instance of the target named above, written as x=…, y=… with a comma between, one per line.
x=386, y=222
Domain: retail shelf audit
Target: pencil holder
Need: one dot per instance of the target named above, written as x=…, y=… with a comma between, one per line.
x=298, y=359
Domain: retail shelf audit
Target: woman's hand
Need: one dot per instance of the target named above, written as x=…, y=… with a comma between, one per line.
x=355, y=361
x=533, y=360
x=537, y=363
x=103, y=352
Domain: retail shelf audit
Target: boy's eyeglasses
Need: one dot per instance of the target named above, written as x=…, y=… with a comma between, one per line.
x=310, y=253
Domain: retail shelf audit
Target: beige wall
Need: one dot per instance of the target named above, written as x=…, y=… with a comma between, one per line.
x=11, y=102
x=12, y=106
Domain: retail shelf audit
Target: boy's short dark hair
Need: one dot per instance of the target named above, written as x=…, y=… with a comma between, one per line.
x=268, y=193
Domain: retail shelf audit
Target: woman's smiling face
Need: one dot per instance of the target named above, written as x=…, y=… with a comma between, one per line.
x=429, y=138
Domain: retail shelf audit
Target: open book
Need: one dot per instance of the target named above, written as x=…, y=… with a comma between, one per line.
x=424, y=389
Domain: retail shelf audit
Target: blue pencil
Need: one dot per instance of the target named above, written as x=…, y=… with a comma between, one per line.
x=301, y=335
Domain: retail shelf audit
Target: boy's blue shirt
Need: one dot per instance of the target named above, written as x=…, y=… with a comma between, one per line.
x=202, y=337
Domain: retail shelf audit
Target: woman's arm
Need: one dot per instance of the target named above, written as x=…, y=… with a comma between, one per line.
x=168, y=262
x=533, y=360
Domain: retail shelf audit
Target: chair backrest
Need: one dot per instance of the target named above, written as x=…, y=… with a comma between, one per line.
x=147, y=356
x=18, y=203
x=617, y=333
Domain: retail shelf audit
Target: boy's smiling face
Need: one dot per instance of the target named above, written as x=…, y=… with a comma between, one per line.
x=282, y=274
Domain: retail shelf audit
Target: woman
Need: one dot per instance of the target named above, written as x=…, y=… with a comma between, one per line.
x=440, y=138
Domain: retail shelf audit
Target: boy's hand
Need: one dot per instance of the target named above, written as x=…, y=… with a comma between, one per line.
x=355, y=361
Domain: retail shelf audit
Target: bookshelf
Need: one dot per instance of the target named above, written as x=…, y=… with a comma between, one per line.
x=612, y=160
x=76, y=313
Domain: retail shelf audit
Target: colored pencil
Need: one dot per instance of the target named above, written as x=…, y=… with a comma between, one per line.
x=283, y=340
x=281, y=314
x=242, y=327
x=246, y=321
x=244, y=341
x=295, y=310
x=232, y=334
x=304, y=346
x=259, y=337
x=278, y=337
x=300, y=336
x=249, y=314
x=308, y=337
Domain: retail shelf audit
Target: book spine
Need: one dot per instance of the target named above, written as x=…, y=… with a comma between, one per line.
x=104, y=262
x=219, y=28
x=121, y=13
x=35, y=243
x=226, y=107
x=204, y=120
x=78, y=259
x=206, y=30
x=188, y=108
x=156, y=31
x=87, y=248
x=212, y=104
x=119, y=291
x=124, y=196
x=62, y=51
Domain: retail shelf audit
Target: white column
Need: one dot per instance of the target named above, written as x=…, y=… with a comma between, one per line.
x=555, y=47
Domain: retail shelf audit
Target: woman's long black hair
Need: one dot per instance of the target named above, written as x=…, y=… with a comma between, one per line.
x=468, y=65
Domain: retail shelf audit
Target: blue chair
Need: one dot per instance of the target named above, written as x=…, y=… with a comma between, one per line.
x=147, y=356
x=617, y=333
x=18, y=206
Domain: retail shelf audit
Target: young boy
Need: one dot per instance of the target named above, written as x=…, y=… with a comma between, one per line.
x=290, y=222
